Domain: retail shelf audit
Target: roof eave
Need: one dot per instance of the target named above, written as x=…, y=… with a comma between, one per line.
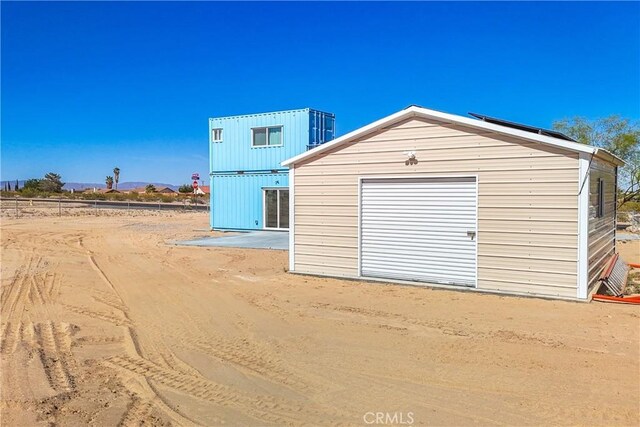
x=609, y=157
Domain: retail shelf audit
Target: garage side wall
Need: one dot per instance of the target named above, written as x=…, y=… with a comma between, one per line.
x=527, y=202
x=601, y=227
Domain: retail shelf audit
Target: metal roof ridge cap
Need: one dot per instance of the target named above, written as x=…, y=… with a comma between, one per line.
x=570, y=145
x=263, y=113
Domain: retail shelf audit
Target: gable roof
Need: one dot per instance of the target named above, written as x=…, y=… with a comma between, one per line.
x=420, y=112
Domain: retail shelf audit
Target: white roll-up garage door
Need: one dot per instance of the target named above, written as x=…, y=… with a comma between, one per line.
x=419, y=229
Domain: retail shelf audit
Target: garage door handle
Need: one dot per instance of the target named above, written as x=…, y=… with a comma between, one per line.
x=471, y=234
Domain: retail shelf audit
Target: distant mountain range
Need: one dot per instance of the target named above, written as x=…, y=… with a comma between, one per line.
x=81, y=185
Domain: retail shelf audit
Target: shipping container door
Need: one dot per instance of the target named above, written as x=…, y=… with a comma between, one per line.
x=419, y=229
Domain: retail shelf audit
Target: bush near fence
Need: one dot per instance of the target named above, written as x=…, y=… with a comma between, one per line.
x=120, y=197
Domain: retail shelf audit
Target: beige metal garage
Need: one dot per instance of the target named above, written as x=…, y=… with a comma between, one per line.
x=433, y=198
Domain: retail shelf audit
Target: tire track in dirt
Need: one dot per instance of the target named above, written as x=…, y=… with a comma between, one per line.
x=10, y=337
x=98, y=340
x=111, y=302
x=10, y=289
x=51, y=286
x=28, y=334
x=15, y=290
x=18, y=294
x=131, y=339
x=98, y=315
x=137, y=413
x=440, y=327
x=55, y=353
x=247, y=357
x=262, y=408
x=35, y=293
x=97, y=269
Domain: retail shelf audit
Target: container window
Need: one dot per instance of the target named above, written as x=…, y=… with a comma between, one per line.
x=275, y=136
x=216, y=135
x=259, y=137
x=267, y=136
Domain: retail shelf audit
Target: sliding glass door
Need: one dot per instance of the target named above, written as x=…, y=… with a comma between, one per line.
x=276, y=208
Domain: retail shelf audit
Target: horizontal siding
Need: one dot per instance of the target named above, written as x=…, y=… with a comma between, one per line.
x=320, y=267
x=601, y=229
x=513, y=286
x=524, y=252
x=492, y=175
x=550, y=240
x=531, y=214
x=535, y=278
x=550, y=263
x=334, y=262
x=337, y=251
x=531, y=226
x=442, y=152
x=337, y=222
x=471, y=164
x=527, y=203
x=326, y=230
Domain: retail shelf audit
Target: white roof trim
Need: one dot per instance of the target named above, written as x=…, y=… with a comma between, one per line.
x=414, y=111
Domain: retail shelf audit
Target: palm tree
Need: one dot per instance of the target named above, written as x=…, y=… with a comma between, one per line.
x=150, y=188
x=116, y=175
x=109, y=182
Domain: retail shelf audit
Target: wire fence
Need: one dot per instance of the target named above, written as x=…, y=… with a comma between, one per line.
x=24, y=207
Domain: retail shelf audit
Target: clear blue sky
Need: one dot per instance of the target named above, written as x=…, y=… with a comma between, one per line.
x=88, y=86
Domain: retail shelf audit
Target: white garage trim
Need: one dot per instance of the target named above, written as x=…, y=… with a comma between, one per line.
x=583, y=226
x=417, y=179
x=292, y=218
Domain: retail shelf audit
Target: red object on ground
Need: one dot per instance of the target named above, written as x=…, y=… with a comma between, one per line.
x=634, y=265
x=622, y=300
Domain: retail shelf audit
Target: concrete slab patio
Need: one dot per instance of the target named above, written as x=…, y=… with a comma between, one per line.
x=627, y=236
x=251, y=239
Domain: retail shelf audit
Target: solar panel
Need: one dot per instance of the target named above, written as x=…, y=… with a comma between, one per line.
x=519, y=126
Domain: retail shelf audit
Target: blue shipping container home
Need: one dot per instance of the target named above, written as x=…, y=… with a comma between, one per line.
x=249, y=187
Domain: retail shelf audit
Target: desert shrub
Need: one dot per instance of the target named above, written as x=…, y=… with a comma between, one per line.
x=185, y=188
x=30, y=192
x=630, y=207
x=167, y=199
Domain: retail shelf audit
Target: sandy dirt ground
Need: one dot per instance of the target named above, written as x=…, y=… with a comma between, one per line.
x=103, y=323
